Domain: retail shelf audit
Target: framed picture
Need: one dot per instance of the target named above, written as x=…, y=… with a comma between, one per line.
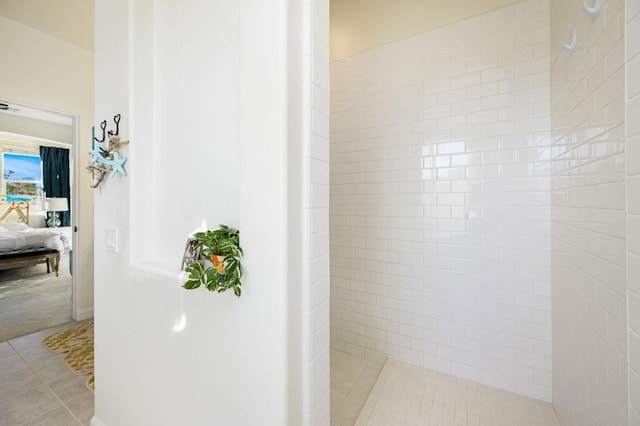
x=191, y=253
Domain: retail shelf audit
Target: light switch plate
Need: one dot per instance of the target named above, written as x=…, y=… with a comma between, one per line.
x=111, y=240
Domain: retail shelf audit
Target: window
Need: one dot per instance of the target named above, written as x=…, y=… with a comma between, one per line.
x=22, y=177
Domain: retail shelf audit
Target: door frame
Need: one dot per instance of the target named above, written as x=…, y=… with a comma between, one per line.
x=73, y=190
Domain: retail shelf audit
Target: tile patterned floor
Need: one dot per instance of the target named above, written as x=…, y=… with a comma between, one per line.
x=37, y=388
x=409, y=395
x=352, y=378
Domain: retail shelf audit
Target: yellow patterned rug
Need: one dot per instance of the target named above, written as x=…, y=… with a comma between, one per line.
x=78, y=342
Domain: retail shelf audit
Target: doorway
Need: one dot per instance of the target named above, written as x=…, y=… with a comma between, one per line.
x=37, y=293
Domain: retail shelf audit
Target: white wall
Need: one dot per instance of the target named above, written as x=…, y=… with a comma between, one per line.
x=440, y=228
x=633, y=204
x=43, y=71
x=37, y=128
x=360, y=25
x=588, y=211
x=68, y=20
x=211, y=98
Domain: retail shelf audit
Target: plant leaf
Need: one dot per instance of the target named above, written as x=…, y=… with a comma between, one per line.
x=190, y=285
x=210, y=274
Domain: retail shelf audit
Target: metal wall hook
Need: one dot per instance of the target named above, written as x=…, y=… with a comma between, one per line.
x=593, y=11
x=103, y=126
x=116, y=119
x=573, y=44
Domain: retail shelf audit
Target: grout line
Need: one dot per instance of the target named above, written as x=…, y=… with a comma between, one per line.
x=444, y=396
x=45, y=384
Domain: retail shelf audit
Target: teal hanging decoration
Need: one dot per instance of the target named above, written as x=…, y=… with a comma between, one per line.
x=106, y=161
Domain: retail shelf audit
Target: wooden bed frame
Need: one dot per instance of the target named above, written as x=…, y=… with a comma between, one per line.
x=14, y=211
x=18, y=211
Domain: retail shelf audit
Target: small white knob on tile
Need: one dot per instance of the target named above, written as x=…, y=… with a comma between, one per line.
x=573, y=44
x=593, y=11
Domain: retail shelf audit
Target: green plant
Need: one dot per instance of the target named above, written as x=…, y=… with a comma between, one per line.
x=221, y=275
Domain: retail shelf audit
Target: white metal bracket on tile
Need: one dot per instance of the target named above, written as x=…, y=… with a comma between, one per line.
x=573, y=44
x=593, y=11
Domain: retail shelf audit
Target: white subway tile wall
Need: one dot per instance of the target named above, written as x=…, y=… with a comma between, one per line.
x=588, y=216
x=633, y=205
x=440, y=200
x=316, y=210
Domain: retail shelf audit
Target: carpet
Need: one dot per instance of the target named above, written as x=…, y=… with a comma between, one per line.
x=77, y=342
x=32, y=300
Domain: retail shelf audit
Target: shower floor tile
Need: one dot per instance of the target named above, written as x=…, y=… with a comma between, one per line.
x=352, y=378
x=409, y=395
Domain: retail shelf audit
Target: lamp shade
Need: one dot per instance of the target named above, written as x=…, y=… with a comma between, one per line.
x=56, y=204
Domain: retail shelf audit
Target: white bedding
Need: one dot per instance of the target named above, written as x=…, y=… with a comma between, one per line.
x=17, y=236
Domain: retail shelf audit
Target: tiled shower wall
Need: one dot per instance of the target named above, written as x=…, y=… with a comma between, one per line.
x=633, y=205
x=588, y=216
x=315, y=146
x=440, y=202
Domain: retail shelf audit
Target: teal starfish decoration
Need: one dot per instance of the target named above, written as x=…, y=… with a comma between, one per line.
x=96, y=156
x=117, y=165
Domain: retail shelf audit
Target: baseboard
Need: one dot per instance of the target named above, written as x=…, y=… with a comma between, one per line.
x=84, y=314
x=96, y=422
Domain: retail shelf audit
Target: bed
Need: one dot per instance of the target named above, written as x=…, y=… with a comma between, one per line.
x=20, y=244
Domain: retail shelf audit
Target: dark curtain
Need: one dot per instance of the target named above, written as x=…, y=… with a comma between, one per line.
x=55, y=177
